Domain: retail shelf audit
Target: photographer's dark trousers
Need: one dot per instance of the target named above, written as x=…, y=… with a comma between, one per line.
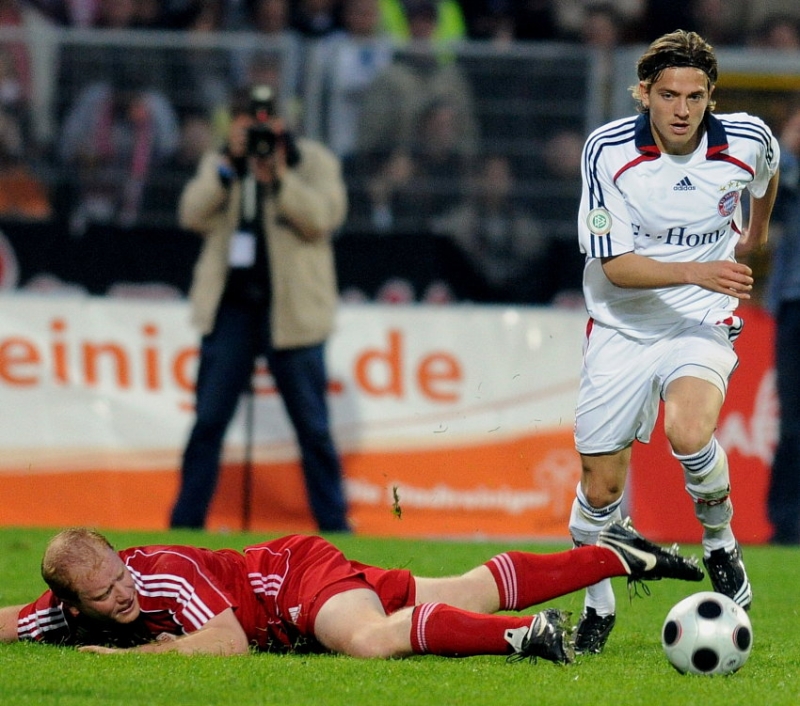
x=227, y=355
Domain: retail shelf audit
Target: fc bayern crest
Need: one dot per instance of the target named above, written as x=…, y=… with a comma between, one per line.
x=727, y=204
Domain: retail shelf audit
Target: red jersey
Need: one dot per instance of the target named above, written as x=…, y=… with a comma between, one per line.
x=275, y=589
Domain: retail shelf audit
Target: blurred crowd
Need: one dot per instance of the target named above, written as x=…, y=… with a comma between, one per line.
x=106, y=124
x=723, y=22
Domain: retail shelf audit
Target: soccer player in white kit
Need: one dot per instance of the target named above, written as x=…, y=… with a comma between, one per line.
x=659, y=222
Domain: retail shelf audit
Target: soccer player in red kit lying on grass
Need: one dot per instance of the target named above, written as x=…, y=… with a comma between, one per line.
x=301, y=593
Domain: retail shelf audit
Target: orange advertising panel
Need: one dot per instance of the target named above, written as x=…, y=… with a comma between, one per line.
x=519, y=487
x=439, y=434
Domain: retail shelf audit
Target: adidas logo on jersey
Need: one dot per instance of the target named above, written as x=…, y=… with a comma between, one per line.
x=684, y=185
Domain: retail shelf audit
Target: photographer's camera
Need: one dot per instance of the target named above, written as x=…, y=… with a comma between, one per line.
x=261, y=138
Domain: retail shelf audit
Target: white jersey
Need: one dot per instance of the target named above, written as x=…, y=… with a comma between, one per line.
x=671, y=208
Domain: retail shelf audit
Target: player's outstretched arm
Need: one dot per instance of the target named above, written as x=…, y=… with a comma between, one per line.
x=222, y=635
x=8, y=623
x=633, y=271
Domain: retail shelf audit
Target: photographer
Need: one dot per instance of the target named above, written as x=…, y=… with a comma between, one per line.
x=264, y=285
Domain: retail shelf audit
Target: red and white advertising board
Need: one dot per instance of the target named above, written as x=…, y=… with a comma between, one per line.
x=451, y=421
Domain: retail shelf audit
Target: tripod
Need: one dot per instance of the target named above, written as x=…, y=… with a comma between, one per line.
x=247, y=461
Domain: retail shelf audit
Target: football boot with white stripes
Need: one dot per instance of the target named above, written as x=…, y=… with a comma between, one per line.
x=728, y=576
x=644, y=560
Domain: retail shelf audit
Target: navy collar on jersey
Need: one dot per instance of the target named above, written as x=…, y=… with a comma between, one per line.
x=648, y=149
x=646, y=144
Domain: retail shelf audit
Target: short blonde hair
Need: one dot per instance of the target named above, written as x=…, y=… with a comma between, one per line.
x=676, y=49
x=72, y=550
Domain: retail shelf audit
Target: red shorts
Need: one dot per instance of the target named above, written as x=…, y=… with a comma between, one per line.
x=301, y=572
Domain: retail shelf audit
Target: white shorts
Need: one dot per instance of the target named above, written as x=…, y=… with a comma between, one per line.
x=623, y=380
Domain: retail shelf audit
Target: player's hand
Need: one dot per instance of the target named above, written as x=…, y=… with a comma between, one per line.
x=732, y=278
x=271, y=169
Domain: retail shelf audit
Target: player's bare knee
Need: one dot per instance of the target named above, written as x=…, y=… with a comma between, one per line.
x=687, y=439
x=380, y=640
x=601, y=496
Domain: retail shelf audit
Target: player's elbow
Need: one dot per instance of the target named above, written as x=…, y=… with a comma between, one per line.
x=234, y=642
x=237, y=647
x=619, y=278
x=222, y=645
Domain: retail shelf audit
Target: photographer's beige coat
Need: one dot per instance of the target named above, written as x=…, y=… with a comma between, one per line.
x=298, y=221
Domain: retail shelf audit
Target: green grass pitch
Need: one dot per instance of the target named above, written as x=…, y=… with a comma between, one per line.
x=632, y=670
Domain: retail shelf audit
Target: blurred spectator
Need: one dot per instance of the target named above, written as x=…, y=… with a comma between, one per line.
x=445, y=17
x=554, y=179
x=417, y=77
x=571, y=14
x=206, y=16
x=721, y=22
x=344, y=64
x=69, y=13
x=15, y=63
x=492, y=20
x=23, y=196
x=603, y=29
x=783, y=499
x=275, y=59
x=418, y=94
x=81, y=64
x=412, y=185
x=164, y=187
x=268, y=17
x=602, y=26
x=780, y=31
x=316, y=18
x=662, y=16
x=202, y=73
x=151, y=14
x=503, y=243
x=14, y=93
x=535, y=20
x=117, y=14
x=114, y=135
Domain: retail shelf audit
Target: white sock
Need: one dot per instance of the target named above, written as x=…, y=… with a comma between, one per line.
x=585, y=523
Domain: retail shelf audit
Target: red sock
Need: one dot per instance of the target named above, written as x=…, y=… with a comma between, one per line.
x=526, y=579
x=440, y=629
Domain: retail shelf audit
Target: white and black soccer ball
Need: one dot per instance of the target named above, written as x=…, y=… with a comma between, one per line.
x=707, y=633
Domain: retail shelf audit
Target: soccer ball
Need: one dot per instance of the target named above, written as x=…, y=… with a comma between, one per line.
x=707, y=633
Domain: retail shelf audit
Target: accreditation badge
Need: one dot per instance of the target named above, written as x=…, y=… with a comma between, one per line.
x=242, y=251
